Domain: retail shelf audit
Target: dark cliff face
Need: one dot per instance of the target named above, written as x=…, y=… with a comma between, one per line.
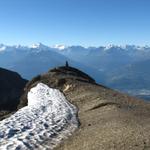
x=11, y=88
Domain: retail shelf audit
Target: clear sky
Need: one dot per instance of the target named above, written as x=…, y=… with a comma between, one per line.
x=75, y=22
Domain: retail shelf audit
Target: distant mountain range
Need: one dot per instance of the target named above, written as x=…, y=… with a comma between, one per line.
x=125, y=68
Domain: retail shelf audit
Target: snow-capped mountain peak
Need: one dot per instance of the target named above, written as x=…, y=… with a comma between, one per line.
x=38, y=46
x=108, y=47
x=2, y=47
x=60, y=47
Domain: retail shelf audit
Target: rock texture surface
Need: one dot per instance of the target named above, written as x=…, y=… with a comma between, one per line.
x=109, y=120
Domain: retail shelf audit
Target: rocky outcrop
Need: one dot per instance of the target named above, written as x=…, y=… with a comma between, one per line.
x=108, y=119
x=62, y=78
x=11, y=88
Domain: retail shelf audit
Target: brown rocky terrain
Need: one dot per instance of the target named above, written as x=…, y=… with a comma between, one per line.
x=109, y=120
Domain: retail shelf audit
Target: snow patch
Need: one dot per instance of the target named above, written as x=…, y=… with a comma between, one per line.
x=2, y=47
x=60, y=47
x=45, y=122
x=39, y=47
x=35, y=45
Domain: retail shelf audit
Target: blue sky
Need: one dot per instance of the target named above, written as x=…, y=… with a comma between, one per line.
x=75, y=22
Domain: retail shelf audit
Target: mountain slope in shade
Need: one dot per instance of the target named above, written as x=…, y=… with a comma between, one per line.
x=11, y=88
x=108, y=119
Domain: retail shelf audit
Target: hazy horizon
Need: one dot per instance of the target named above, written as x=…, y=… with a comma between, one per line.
x=55, y=45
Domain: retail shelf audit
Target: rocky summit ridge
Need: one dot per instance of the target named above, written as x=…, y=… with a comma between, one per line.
x=108, y=119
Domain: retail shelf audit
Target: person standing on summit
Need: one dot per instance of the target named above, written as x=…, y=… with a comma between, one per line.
x=67, y=65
